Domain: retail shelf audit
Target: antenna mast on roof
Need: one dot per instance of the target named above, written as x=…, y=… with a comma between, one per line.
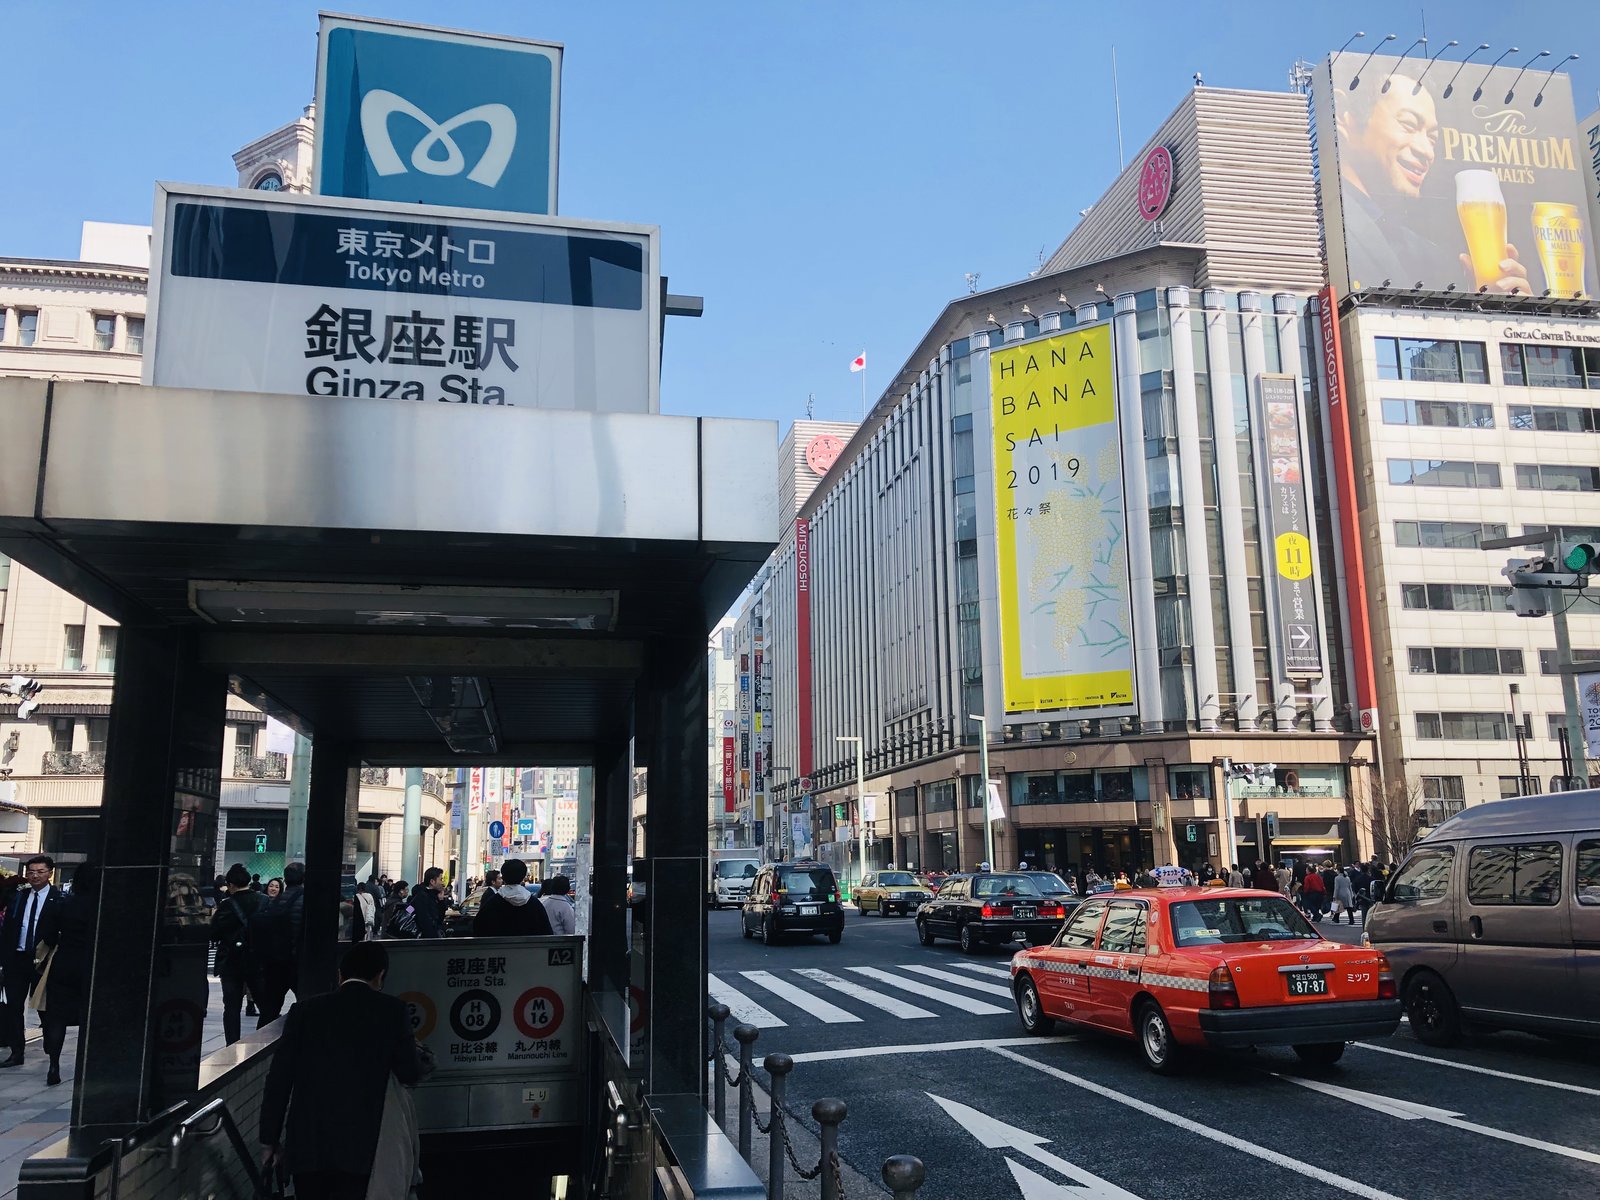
x=811, y=404
x=1116, y=100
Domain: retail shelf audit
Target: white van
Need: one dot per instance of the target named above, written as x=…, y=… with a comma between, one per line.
x=1493, y=922
x=731, y=877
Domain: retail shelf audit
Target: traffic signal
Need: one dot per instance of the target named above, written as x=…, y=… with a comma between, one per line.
x=1580, y=557
x=1191, y=833
x=261, y=843
x=26, y=689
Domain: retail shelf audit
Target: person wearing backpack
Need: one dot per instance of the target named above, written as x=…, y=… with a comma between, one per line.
x=230, y=930
x=277, y=931
x=511, y=909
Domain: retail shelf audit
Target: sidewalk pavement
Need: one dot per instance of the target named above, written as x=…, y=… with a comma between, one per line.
x=32, y=1116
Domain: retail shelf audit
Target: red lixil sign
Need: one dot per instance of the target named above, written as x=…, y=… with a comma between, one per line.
x=1344, y=478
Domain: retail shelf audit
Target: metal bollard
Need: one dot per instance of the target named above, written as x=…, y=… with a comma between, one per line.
x=778, y=1067
x=746, y=1036
x=719, y=1069
x=903, y=1175
x=829, y=1114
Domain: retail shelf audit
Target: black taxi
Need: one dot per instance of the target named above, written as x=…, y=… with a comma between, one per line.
x=992, y=910
x=793, y=897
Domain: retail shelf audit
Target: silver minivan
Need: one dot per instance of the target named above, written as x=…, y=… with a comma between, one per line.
x=1493, y=922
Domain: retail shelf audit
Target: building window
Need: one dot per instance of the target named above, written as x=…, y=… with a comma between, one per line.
x=61, y=735
x=1454, y=597
x=1470, y=726
x=1447, y=414
x=244, y=740
x=1464, y=660
x=72, y=649
x=1553, y=418
x=105, y=331
x=1444, y=787
x=1433, y=472
x=1549, y=666
x=99, y=729
x=1424, y=360
x=27, y=326
x=1038, y=788
x=1550, y=366
x=270, y=182
x=939, y=797
x=105, y=661
x=135, y=335
x=1446, y=535
x=1547, y=477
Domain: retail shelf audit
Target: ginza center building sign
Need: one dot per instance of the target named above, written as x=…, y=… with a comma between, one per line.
x=318, y=297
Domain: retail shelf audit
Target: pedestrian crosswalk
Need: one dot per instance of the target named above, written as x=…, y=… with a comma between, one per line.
x=813, y=993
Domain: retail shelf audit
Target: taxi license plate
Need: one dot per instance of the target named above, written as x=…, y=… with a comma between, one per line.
x=1026, y=912
x=808, y=910
x=1308, y=983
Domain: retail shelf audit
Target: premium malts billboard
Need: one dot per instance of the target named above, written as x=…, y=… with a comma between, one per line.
x=304, y=295
x=1066, y=625
x=1477, y=190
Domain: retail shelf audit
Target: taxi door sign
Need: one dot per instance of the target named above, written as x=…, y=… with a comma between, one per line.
x=490, y=1007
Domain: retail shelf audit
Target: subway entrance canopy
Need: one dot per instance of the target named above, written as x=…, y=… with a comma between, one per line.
x=407, y=584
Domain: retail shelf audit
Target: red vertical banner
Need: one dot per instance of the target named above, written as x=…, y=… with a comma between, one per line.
x=1344, y=478
x=730, y=768
x=802, y=640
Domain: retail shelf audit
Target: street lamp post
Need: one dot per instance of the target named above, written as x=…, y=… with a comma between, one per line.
x=861, y=805
x=983, y=786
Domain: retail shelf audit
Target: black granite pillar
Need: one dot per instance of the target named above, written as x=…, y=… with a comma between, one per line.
x=140, y=1044
x=608, y=896
x=673, y=697
x=330, y=856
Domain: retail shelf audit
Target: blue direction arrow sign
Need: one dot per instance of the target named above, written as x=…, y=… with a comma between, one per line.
x=497, y=829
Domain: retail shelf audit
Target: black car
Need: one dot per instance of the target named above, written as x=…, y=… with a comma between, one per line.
x=980, y=910
x=793, y=897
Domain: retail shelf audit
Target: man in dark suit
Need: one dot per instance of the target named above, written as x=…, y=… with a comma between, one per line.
x=19, y=934
x=329, y=1077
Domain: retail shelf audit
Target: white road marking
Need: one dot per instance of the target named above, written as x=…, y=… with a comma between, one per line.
x=976, y=985
x=997, y=972
x=890, y=1005
x=741, y=1007
x=830, y=1014
x=997, y=1135
x=929, y=992
x=924, y=1048
x=1408, y=1110
x=1320, y=1174
x=1442, y=1062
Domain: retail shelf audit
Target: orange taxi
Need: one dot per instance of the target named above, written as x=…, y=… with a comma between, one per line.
x=1191, y=966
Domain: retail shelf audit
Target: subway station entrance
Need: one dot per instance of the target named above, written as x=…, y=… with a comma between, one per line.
x=407, y=585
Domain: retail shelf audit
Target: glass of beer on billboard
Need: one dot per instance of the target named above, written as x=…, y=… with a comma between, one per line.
x=1558, y=231
x=1482, y=208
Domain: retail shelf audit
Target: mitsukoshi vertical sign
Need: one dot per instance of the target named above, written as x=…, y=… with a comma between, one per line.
x=1066, y=625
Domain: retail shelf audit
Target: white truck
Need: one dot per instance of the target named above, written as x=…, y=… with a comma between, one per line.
x=730, y=876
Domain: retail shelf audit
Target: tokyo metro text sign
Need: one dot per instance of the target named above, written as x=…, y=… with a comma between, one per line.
x=431, y=116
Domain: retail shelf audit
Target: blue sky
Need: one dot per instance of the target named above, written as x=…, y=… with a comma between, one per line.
x=824, y=174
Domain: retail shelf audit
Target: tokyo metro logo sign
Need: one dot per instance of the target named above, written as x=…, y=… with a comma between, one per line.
x=377, y=106
x=417, y=115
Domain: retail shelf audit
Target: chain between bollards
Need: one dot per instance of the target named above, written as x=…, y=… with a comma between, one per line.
x=746, y=1036
x=903, y=1175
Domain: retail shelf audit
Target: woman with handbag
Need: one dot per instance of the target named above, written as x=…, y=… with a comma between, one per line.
x=64, y=955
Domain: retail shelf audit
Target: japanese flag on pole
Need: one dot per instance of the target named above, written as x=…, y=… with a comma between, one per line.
x=859, y=362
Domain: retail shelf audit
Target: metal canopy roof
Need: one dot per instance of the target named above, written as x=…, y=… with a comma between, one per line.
x=130, y=497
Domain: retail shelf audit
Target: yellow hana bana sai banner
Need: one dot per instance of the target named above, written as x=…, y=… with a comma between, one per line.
x=1066, y=626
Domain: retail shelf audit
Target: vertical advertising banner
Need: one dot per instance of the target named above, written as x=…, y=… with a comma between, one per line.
x=475, y=792
x=1474, y=183
x=729, y=771
x=1289, y=522
x=1589, y=701
x=1589, y=151
x=1066, y=626
x=802, y=641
